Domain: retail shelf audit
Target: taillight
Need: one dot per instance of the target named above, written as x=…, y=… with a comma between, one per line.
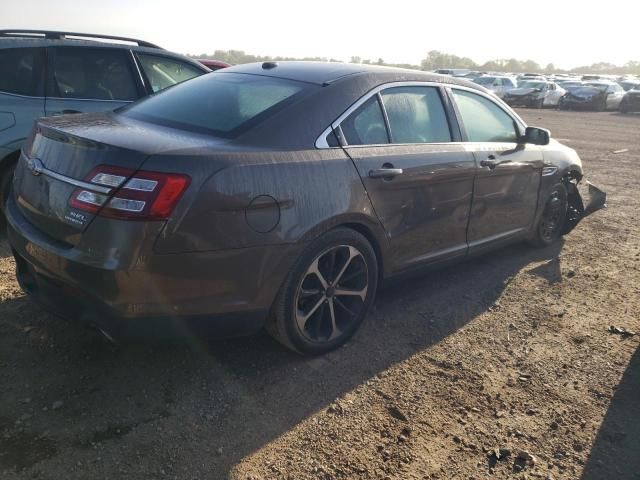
x=136, y=195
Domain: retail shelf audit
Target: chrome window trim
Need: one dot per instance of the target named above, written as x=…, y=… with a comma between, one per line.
x=4, y=92
x=321, y=141
x=90, y=99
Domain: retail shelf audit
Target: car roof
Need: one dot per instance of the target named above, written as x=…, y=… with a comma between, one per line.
x=19, y=41
x=325, y=73
x=14, y=42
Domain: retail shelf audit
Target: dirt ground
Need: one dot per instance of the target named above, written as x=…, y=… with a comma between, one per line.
x=501, y=367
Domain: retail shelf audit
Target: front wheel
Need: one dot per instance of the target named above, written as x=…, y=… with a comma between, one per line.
x=327, y=294
x=554, y=216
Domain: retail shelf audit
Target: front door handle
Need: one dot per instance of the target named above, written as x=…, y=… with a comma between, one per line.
x=492, y=162
x=386, y=173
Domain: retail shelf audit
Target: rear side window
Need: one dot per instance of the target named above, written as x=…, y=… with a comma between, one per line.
x=21, y=71
x=483, y=120
x=223, y=104
x=416, y=115
x=366, y=126
x=92, y=73
x=163, y=72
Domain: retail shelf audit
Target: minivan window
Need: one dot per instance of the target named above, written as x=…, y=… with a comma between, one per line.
x=163, y=72
x=21, y=71
x=366, y=126
x=223, y=104
x=483, y=120
x=92, y=73
x=416, y=115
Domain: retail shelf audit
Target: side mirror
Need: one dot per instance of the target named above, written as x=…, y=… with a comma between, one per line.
x=536, y=136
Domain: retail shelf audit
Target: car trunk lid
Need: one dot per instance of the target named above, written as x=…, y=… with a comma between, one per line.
x=61, y=156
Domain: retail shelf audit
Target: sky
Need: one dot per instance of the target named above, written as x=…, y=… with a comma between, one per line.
x=567, y=33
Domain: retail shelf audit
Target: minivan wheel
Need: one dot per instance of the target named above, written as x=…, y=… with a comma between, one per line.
x=327, y=294
x=6, y=175
x=553, y=217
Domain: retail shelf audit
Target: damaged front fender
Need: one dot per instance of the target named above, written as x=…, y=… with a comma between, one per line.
x=576, y=208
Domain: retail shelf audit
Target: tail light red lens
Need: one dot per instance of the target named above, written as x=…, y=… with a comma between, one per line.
x=135, y=196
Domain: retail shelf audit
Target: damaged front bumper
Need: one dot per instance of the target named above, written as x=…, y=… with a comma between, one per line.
x=577, y=209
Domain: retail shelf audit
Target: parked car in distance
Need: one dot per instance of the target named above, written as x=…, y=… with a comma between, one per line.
x=278, y=195
x=213, y=65
x=454, y=72
x=534, y=93
x=629, y=84
x=631, y=101
x=497, y=84
x=594, y=95
x=570, y=85
x=53, y=73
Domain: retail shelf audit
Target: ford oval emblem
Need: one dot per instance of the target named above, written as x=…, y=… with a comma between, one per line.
x=35, y=166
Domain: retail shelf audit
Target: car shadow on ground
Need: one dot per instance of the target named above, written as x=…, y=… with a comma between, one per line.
x=224, y=399
x=616, y=451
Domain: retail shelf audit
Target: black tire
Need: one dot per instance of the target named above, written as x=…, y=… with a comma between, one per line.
x=551, y=224
x=6, y=175
x=330, y=318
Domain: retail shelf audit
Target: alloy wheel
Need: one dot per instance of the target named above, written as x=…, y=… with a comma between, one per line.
x=332, y=293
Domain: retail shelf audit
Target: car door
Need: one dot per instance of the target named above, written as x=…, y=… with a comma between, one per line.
x=418, y=178
x=614, y=96
x=505, y=193
x=553, y=95
x=21, y=94
x=90, y=79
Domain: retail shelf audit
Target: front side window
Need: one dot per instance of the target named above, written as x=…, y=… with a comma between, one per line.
x=92, y=73
x=222, y=104
x=416, y=115
x=163, y=72
x=483, y=120
x=21, y=71
x=366, y=126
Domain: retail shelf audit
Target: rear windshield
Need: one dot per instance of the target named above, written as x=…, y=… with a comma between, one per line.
x=223, y=104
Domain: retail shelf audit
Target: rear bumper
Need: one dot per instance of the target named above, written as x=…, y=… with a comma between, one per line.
x=226, y=292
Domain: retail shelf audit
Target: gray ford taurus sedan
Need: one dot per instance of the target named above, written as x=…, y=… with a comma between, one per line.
x=278, y=196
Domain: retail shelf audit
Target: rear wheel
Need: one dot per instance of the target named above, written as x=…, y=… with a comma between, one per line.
x=554, y=215
x=328, y=293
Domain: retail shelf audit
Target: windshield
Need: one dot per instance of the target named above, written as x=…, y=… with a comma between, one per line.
x=224, y=104
x=529, y=84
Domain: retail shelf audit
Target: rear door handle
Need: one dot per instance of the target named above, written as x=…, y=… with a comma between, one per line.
x=65, y=112
x=385, y=172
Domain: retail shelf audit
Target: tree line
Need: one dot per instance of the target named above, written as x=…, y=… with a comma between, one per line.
x=436, y=59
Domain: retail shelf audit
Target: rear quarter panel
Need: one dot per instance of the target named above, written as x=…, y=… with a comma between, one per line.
x=248, y=199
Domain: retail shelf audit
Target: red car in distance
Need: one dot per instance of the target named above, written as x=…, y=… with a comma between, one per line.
x=213, y=64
